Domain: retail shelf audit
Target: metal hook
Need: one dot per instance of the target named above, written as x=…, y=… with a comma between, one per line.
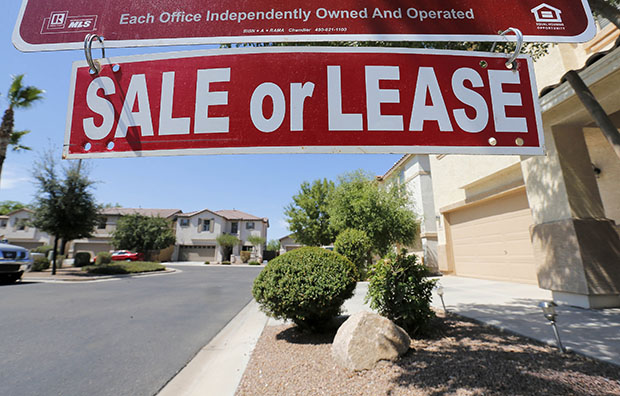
x=511, y=63
x=94, y=65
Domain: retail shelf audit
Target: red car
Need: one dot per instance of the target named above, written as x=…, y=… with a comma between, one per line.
x=126, y=255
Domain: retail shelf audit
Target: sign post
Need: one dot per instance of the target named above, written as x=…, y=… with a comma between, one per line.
x=45, y=25
x=304, y=100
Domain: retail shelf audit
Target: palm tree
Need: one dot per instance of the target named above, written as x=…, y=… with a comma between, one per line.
x=19, y=97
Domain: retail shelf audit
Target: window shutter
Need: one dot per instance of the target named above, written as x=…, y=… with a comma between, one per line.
x=211, y=225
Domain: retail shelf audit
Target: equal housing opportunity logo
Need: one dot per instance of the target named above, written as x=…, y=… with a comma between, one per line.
x=61, y=22
x=548, y=17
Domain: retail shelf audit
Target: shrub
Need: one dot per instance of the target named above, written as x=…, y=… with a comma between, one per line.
x=356, y=246
x=81, y=259
x=103, y=258
x=40, y=263
x=245, y=256
x=254, y=262
x=126, y=267
x=59, y=259
x=306, y=285
x=225, y=262
x=207, y=262
x=42, y=249
x=399, y=290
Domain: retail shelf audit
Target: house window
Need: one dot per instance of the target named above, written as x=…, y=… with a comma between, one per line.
x=249, y=225
x=102, y=223
x=184, y=222
x=247, y=248
x=20, y=224
x=2, y=223
x=206, y=225
x=234, y=227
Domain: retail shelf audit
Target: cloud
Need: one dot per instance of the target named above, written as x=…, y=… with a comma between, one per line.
x=11, y=179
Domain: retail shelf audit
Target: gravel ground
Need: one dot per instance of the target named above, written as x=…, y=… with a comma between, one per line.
x=464, y=358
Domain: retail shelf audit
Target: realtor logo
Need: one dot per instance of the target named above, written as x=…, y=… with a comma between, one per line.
x=61, y=22
x=57, y=20
x=545, y=13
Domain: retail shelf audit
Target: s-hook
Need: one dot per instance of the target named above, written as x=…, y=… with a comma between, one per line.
x=511, y=62
x=94, y=65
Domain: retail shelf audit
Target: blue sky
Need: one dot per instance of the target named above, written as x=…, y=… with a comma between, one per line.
x=258, y=184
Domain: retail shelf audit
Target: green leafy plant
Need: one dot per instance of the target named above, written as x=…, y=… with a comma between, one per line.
x=356, y=246
x=225, y=262
x=227, y=242
x=40, y=263
x=245, y=256
x=81, y=259
x=399, y=290
x=42, y=249
x=307, y=285
x=207, y=262
x=254, y=262
x=103, y=258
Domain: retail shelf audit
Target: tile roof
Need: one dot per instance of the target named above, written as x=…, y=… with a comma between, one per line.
x=165, y=213
x=238, y=215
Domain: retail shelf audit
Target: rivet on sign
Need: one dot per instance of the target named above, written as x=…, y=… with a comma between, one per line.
x=87, y=146
x=519, y=141
x=484, y=64
x=110, y=145
x=492, y=141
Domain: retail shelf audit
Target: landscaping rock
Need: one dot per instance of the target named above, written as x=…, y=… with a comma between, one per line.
x=366, y=338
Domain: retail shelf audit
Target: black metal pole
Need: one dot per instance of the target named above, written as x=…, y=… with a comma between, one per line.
x=595, y=109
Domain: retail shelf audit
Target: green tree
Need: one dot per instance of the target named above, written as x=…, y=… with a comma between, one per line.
x=19, y=97
x=383, y=214
x=227, y=242
x=273, y=245
x=142, y=233
x=7, y=207
x=307, y=215
x=256, y=241
x=64, y=207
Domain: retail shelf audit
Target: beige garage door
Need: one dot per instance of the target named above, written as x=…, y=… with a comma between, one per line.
x=491, y=240
x=197, y=253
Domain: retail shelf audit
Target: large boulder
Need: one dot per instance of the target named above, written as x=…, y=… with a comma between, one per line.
x=366, y=338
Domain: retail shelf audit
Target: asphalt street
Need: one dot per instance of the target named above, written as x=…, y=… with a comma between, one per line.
x=117, y=337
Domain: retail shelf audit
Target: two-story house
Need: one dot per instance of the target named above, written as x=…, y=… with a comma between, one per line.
x=16, y=227
x=197, y=234
x=550, y=220
x=101, y=239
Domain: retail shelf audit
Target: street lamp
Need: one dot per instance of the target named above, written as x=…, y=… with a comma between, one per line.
x=440, y=294
x=548, y=308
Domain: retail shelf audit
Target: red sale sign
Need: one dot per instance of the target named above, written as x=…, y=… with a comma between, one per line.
x=62, y=24
x=304, y=100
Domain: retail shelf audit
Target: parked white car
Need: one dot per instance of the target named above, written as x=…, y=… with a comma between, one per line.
x=14, y=261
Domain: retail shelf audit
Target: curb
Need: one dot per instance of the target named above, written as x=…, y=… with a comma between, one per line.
x=218, y=367
x=87, y=279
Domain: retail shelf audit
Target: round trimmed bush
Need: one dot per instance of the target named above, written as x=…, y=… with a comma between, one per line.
x=40, y=263
x=306, y=285
x=103, y=258
x=82, y=259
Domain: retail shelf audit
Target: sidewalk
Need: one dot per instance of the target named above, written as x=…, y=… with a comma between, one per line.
x=217, y=369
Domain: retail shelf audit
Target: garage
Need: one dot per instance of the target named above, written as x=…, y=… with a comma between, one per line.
x=491, y=239
x=197, y=253
x=92, y=248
